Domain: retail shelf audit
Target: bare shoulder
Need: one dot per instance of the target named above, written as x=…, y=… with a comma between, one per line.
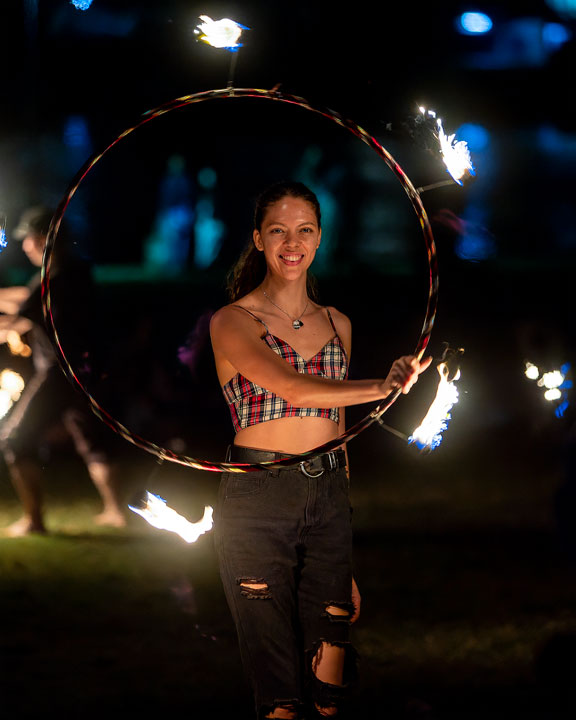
x=342, y=322
x=221, y=315
x=234, y=316
x=224, y=317
x=219, y=318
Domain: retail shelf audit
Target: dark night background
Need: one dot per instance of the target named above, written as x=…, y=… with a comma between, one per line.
x=164, y=214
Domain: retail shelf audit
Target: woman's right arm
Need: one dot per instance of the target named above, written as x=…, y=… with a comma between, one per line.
x=236, y=339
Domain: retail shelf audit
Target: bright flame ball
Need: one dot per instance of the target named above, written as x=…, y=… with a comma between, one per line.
x=552, y=379
x=553, y=394
x=223, y=34
x=532, y=372
x=11, y=386
x=12, y=382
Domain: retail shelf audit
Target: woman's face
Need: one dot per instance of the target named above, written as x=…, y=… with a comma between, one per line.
x=289, y=236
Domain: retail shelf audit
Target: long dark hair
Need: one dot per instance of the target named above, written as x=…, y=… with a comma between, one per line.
x=250, y=269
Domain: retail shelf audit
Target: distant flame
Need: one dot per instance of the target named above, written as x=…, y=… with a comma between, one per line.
x=16, y=345
x=428, y=435
x=223, y=34
x=552, y=379
x=555, y=384
x=552, y=394
x=155, y=511
x=11, y=386
x=532, y=372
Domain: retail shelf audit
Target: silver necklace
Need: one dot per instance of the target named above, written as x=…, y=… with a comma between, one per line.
x=296, y=322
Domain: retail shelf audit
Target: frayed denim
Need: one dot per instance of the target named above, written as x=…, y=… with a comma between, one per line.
x=284, y=542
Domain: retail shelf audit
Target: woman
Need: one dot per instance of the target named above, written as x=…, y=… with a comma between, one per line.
x=284, y=535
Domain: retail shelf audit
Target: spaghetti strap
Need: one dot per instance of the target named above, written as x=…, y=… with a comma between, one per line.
x=254, y=316
x=332, y=322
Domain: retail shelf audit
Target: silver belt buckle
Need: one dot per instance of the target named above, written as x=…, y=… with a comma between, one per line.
x=305, y=472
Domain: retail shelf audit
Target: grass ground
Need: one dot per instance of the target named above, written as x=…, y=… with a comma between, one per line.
x=469, y=596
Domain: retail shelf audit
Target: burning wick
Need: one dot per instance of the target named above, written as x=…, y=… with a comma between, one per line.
x=455, y=154
x=428, y=435
x=155, y=511
x=223, y=34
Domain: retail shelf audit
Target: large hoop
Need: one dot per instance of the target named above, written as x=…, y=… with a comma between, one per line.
x=229, y=94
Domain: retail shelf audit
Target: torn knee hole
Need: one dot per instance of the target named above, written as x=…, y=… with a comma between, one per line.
x=283, y=711
x=254, y=588
x=334, y=610
x=328, y=652
x=339, y=612
x=326, y=711
x=333, y=671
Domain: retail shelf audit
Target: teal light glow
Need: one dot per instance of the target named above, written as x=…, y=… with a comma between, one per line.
x=564, y=8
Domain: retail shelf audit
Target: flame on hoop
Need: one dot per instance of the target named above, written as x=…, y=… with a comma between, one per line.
x=156, y=512
x=428, y=435
x=455, y=153
x=223, y=34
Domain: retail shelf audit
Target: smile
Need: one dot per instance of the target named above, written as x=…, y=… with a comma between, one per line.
x=291, y=259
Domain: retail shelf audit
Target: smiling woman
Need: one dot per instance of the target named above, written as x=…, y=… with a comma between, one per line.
x=284, y=535
x=212, y=147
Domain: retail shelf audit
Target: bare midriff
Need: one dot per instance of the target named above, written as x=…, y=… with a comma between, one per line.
x=290, y=435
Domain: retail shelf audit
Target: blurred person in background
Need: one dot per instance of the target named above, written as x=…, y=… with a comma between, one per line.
x=49, y=401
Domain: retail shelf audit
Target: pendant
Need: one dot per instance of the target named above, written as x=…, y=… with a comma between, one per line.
x=297, y=324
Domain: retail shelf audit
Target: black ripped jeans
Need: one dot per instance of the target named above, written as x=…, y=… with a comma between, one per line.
x=291, y=535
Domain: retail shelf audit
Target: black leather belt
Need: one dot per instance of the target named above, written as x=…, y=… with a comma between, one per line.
x=313, y=467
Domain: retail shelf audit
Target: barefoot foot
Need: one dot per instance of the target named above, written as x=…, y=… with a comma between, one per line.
x=24, y=526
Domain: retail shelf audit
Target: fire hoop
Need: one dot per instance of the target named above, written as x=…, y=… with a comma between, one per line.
x=223, y=95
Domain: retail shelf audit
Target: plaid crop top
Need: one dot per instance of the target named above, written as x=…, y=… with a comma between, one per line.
x=251, y=404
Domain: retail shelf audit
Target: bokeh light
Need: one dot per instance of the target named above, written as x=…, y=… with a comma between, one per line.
x=474, y=23
x=81, y=4
x=564, y=8
x=475, y=136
